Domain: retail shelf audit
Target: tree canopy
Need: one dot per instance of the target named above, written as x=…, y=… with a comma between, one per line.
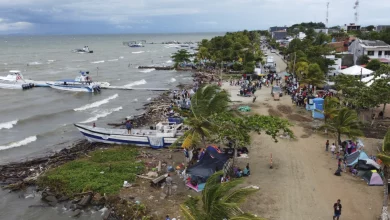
x=181, y=56
x=374, y=65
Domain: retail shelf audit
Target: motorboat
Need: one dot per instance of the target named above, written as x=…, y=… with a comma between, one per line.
x=165, y=134
x=14, y=81
x=16, y=76
x=135, y=43
x=84, y=50
x=74, y=86
x=23, y=86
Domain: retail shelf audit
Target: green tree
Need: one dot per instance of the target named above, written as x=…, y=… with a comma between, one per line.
x=301, y=69
x=331, y=107
x=219, y=201
x=181, y=56
x=370, y=28
x=374, y=65
x=314, y=76
x=362, y=60
x=345, y=122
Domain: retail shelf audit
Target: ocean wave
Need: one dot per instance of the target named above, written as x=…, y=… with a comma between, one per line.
x=121, y=57
x=8, y=125
x=35, y=118
x=169, y=61
x=102, y=114
x=135, y=100
x=34, y=63
x=136, y=83
x=96, y=104
x=149, y=99
x=100, y=61
x=147, y=70
x=172, y=80
x=19, y=143
x=113, y=60
x=50, y=61
x=138, y=52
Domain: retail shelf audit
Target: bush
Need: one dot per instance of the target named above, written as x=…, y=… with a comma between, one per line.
x=386, y=142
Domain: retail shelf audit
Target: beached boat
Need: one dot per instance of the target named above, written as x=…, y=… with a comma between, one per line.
x=84, y=50
x=164, y=135
x=71, y=86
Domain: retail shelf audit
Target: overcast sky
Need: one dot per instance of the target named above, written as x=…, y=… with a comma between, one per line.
x=171, y=16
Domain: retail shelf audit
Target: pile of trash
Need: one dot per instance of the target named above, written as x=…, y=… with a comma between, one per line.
x=244, y=109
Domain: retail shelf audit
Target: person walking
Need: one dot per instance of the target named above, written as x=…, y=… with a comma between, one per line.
x=333, y=149
x=337, y=210
x=168, y=182
x=327, y=145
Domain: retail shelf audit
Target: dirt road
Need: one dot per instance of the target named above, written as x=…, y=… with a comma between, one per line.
x=301, y=185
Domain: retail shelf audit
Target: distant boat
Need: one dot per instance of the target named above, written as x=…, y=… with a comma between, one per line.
x=165, y=135
x=84, y=50
x=135, y=43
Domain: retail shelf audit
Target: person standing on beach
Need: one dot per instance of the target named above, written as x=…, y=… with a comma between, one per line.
x=128, y=126
x=337, y=210
x=327, y=145
x=333, y=149
x=168, y=182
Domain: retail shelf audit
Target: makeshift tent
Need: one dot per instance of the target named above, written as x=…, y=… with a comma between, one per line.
x=352, y=159
x=356, y=71
x=367, y=164
x=212, y=161
x=371, y=177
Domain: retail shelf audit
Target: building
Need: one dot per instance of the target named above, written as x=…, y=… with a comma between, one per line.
x=351, y=27
x=382, y=27
x=301, y=35
x=279, y=35
x=272, y=29
x=340, y=46
x=373, y=49
x=336, y=67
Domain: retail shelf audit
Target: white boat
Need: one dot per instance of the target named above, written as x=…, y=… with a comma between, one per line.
x=14, y=82
x=84, y=50
x=135, y=43
x=16, y=76
x=165, y=135
x=70, y=86
x=24, y=86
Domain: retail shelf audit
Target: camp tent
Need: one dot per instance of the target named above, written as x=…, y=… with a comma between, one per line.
x=367, y=164
x=356, y=71
x=352, y=159
x=212, y=161
x=372, y=177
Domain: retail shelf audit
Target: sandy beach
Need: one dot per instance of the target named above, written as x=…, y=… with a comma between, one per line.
x=302, y=184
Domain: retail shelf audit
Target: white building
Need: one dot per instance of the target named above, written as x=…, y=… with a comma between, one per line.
x=301, y=36
x=336, y=68
x=373, y=49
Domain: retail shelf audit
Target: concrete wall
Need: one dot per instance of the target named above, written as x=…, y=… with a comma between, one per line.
x=356, y=49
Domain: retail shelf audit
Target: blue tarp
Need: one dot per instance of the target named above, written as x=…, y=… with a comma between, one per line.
x=353, y=158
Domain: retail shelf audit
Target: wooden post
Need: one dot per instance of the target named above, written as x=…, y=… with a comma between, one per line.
x=271, y=166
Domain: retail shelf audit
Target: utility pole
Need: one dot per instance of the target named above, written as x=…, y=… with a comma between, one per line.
x=295, y=59
x=356, y=11
x=327, y=14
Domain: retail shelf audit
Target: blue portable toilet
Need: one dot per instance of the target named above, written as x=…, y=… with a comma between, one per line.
x=318, y=108
x=310, y=103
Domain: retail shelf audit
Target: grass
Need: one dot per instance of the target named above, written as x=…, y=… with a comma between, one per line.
x=103, y=172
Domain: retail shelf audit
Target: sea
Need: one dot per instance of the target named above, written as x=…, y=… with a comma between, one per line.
x=39, y=121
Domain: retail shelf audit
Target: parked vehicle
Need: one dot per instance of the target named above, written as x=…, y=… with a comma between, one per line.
x=272, y=69
x=276, y=92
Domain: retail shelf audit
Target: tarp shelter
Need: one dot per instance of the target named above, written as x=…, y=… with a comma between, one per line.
x=367, y=164
x=212, y=161
x=352, y=159
x=357, y=71
x=372, y=177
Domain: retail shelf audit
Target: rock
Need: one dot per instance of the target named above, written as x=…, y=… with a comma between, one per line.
x=53, y=204
x=152, y=174
x=74, y=201
x=76, y=213
x=163, y=196
x=63, y=198
x=50, y=199
x=85, y=200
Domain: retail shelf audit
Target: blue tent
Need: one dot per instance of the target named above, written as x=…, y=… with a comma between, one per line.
x=354, y=158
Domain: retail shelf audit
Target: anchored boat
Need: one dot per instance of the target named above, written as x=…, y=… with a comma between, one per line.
x=135, y=43
x=76, y=87
x=164, y=135
x=84, y=50
x=14, y=81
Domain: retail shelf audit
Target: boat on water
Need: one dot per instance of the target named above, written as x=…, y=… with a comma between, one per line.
x=16, y=82
x=76, y=87
x=83, y=78
x=84, y=50
x=135, y=43
x=165, y=134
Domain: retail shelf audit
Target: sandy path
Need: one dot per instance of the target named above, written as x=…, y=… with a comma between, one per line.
x=302, y=184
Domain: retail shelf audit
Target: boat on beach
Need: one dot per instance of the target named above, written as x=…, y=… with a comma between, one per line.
x=165, y=134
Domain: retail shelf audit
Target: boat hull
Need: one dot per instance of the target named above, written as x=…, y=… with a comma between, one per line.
x=137, y=140
x=72, y=88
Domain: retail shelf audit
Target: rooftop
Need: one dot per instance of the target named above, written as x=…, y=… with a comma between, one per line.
x=374, y=43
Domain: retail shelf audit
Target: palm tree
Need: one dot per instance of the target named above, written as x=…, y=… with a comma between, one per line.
x=219, y=201
x=345, y=122
x=181, y=56
x=331, y=107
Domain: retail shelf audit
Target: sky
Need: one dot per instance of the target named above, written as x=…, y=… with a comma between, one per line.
x=177, y=16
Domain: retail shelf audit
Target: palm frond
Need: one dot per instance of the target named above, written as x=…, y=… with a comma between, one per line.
x=187, y=213
x=246, y=216
x=239, y=195
x=385, y=158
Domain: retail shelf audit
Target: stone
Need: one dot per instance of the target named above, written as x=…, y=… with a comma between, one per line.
x=50, y=199
x=76, y=213
x=53, y=204
x=163, y=196
x=63, y=198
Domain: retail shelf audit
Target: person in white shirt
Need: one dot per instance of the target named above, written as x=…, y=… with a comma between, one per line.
x=333, y=149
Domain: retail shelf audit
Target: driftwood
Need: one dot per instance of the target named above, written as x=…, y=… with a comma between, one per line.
x=82, y=194
x=144, y=177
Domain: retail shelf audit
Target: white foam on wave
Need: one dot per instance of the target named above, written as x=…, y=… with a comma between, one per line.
x=100, y=61
x=138, y=52
x=149, y=99
x=172, y=80
x=6, y=64
x=113, y=60
x=34, y=63
x=169, y=61
x=121, y=57
x=96, y=104
x=147, y=70
x=51, y=61
x=135, y=100
x=136, y=83
x=19, y=143
x=8, y=125
x=101, y=114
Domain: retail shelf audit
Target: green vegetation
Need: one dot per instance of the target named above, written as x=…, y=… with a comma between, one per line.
x=303, y=27
x=374, y=65
x=383, y=35
x=103, y=172
x=180, y=57
x=212, y=120
x=238, y=51
x=219, y=201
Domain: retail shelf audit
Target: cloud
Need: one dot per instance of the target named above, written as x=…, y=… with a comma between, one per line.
x=176, y=15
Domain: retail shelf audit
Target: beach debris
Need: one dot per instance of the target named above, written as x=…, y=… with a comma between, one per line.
x=244, y=109
x=152, y=174
x=126, y=184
